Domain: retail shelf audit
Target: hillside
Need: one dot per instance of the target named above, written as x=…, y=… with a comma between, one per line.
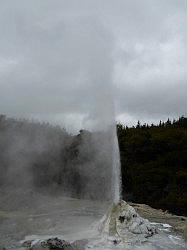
x=154, y=164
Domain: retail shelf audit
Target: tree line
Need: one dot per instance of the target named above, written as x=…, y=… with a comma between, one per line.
x=154, y=164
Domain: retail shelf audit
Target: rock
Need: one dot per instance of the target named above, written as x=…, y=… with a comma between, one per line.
x=48, y=244
x=2, y=248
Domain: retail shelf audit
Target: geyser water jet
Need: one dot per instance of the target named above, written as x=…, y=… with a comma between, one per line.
x=116, y=171
x=122, y=222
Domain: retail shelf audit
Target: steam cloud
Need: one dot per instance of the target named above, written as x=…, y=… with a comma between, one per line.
x=46, y=51
x=83, y=71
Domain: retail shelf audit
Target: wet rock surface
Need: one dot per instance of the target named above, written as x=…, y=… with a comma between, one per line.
x=53, y=243
x=178, y=223
x=74, y=220
x=121, y=225
x=2, y=248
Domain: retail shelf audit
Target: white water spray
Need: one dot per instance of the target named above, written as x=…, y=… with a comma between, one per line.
x=116, y=170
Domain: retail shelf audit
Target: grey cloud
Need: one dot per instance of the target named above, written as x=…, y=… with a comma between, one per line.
x=67, y=59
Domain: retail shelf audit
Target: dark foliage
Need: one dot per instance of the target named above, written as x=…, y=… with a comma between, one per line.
x=154, y=164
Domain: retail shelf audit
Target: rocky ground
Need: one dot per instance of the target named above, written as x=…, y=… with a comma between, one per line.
x=35, y=214
x=122, y=228
x=178, y=223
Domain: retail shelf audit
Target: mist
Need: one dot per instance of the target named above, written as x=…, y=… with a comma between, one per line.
x=91, y=83
x=65, y=65
x=78, y=65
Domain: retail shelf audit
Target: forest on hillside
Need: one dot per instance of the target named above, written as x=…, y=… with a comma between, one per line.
x=154, y=164
x=153, y=161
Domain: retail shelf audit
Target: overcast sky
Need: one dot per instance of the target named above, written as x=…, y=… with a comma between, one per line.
x=69, y=61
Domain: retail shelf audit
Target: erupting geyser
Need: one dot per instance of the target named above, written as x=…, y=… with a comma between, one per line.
x=122, y=223
x=116, y=171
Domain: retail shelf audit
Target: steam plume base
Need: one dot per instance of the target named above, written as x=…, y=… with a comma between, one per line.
x=121, y=225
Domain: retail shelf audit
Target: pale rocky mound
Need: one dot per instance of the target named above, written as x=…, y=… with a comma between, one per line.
x=124, y=224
